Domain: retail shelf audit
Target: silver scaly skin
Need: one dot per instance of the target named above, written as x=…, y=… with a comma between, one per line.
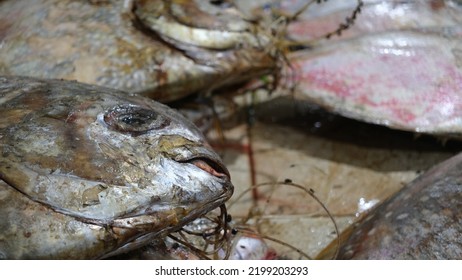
x=90, y=172
x=151, y=47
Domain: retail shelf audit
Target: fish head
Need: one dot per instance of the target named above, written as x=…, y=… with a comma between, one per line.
x=216, y=25
x=159, y=151
x=106, y=158
x=227, y=48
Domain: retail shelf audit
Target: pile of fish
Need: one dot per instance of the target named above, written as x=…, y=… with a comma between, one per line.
x=94, y=168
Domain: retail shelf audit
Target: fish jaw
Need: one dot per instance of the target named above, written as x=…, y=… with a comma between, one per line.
x=183, y=200
x=202, y=185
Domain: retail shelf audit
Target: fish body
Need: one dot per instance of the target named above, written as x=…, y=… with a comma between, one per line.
x=392, y=63
x=374, y=16
x=398, y=65
x=89, y=172
x=422, y=221
x=408, y=80
x=162, y=49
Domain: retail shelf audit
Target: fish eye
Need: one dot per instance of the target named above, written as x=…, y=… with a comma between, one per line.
x=220, y=3
x=134, y=120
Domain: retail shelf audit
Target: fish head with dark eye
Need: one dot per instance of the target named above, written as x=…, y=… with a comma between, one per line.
x=183, y=169
x=125, y=168
x=189, y=179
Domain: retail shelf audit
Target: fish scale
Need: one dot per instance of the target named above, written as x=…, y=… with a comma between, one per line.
x=77, y=185
x=110, y=45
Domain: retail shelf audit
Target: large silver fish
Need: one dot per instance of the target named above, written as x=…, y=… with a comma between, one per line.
x=162, y=49
x=89, y=172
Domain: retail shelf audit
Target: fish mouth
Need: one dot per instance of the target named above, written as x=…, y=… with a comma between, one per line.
x=209, y=165
x=158, y=223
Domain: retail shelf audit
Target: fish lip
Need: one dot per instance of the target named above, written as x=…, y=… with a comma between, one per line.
x=209, y=164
